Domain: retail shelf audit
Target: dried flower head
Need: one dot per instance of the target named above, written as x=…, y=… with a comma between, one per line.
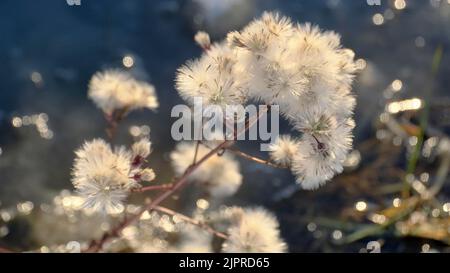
x=219, y=175
x=141, y=148
x=147, y=175
x=301, y=68
x=203, y=40
x=254, y=231
x=103, y=177
x=321, y=155
x=214, y=78
x=283, y=150
x=113, y=90
x=258, y=36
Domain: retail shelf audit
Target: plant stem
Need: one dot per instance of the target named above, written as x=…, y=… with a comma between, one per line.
x=154, y=187
x=255, y=159
x=197, y=146
x=113, y=120
x=412, y=162
x=191, y=221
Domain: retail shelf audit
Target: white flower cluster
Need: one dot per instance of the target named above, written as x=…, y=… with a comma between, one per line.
x=320, y=152
x=248, y=230
x=103, y=177
x=252, y=231
x=113, y=90
x=302, y=69
x=215, y=78
x=219, y=175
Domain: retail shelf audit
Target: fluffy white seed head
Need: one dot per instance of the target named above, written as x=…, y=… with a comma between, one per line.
x=301, y=68
x=103, y=177
x=214, y=78
x=147, y=175
x=219, y=175
x=117, y=90
x=283, y=150
x=258, y=36
x=294, y=66
x=203, y=40
x=314, y=121
x=142, y=148
x=254, y=231
x=100, y=176
x=321, y=156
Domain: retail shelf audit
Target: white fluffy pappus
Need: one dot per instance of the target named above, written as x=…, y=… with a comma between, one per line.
x=321, y=155
x=253, y=230
x=301, y=68
x=142, y=148
x=219, y=175
x=261, y=33
x=203, y=40
x=283, y=150
x=103, y=177
x=214, y=78
x=293, y=65
x=113, y=90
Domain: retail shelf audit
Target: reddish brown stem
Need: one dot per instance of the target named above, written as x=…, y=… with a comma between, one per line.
x=113, y=120
x=256, y=159
x=197, y=146
x=154, y=187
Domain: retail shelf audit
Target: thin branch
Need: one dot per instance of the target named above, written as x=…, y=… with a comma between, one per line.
x=191, y=221
x=113, y=120
x=154, y=187
x=256, y=159
x=197, y=146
